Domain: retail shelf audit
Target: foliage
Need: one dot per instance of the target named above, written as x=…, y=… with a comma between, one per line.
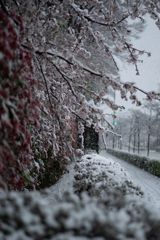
x=158, y=149
x=73, y=45
x=98, y=176
x=27, y=155
x=53, y=169
x=150, y=165
x=50, y=155
x=117, y=215
x=18, y=104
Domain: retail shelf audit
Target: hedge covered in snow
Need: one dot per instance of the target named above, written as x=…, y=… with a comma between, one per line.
x=150, y=165
x=115, y=211
x=97, y=176
x=26, y=217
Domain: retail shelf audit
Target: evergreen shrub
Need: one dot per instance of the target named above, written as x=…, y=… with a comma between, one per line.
x=150, y=165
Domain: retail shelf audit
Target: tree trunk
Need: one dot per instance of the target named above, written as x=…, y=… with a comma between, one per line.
x=130, y=137
x=134, y=143
x=138, y=140
x=149, y=133
x=129, y=146
x=148, y=143
x=113, y=142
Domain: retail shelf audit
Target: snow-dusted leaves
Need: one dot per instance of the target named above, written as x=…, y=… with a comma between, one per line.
x=18, y=106
x=26, y=216
x=72, y=44
x=99, y=176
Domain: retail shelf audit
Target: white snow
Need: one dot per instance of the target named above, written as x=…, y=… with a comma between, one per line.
x=116, y=207
x=118, y=172
x=149, y=183
x=65, y=183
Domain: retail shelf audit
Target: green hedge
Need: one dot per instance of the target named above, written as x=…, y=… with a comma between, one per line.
x=152, y=166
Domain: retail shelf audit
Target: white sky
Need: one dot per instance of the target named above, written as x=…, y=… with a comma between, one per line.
x=150, y=68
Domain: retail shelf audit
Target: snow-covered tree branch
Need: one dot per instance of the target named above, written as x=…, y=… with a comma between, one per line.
x=73, y=44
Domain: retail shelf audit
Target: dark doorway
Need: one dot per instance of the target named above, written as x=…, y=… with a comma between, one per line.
x=91, y=139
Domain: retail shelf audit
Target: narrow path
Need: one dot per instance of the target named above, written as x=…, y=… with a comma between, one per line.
x=65, y=183
x=149, y=183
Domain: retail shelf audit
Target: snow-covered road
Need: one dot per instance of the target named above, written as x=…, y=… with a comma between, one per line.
x=149, y=183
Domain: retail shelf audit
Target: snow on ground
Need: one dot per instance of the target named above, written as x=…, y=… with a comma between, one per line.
x=149, y=183
x=65, y=183
x=99, y=176
x=153, y=154
x=114, y=208
x=121, y=198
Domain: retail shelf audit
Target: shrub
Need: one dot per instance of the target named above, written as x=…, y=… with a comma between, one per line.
x=32, y=147
x=158, y=149
x=106, y=215
x=54, y=167
x=18, y=105
x=145, y=163
x=97, y=176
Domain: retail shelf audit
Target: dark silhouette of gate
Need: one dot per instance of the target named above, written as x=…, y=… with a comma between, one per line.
x=91, y=139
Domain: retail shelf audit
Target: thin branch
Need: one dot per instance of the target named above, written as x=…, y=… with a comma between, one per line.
x=3, y=7
x=115, y=134
x=132, y=57
x=140, y=90
x=55, y=55
x=84, y=68
x=17, y=4
x=70, y=63
x=121, y=20
x=106, y=100
x=125, y=17
x=80, y=86
x=97, y=22
x=78, y=116
x=65, y=78
x=45, y=80
x=90, y=19
x=54, y=96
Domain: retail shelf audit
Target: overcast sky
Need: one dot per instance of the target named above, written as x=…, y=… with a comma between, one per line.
x=150, y=68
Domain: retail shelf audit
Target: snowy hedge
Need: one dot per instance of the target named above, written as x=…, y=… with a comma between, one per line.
x=25, y=216
x=97, y=176
x=157, y=149
x=152, y=166
x=19, y=105
x=33, y=148
x=110, y=215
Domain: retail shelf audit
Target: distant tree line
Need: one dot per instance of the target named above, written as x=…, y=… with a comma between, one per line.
x=139, y=129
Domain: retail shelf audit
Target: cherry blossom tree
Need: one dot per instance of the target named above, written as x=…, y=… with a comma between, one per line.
x=73, y=44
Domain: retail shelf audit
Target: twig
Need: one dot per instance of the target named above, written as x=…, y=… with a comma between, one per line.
x=3, y=7
x=84, y=68
x=65, y=78
x=45, y=80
